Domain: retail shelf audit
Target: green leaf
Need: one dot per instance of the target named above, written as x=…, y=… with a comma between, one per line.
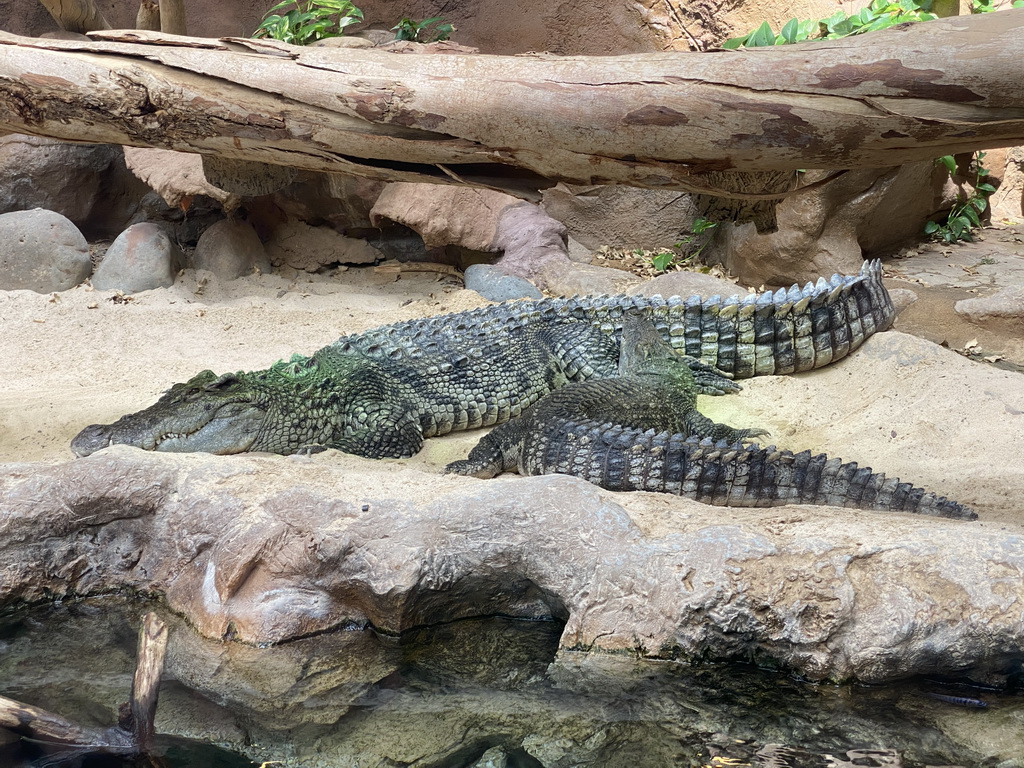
x=701, y=225
x=950, y=162
x=988, y=189
x=791, y=31
x=281, y=5
x=761, y=36
x=931, y=227
x=735, y=42
x=979, y=203
x=972, y=216
x=662, y=259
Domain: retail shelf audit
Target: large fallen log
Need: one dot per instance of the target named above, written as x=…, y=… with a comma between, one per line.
x=653, y=120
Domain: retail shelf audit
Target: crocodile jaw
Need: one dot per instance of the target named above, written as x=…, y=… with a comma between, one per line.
x=232, y=428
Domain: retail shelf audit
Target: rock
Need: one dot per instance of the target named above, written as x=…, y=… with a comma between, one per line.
x=87, y=183
x=185, y=222
x=140, y=259
x=494, y=285
x=532, y=242
x=902, y=298
x=685, y=283
x=246, y=178
x=445, y=215
x=1007, y=165
x=343, y=202
x=578, y=252
x=176, y=176
x=620, y=217
x=495, y=757
x=1004, y=307
x=566, y=278
x=300, y=246
x=230, y=249
x=490, y=692
x=43, y=252
x=274, y=548
x=829, y=229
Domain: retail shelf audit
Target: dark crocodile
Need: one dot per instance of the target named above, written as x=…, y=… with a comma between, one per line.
x=641, y=431
x=380, y=393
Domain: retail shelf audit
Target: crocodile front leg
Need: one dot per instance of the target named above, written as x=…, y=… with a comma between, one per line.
x=381, y=431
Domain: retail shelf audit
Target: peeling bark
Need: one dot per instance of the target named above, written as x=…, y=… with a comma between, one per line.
x=146, y=683
x=522, y=123
x=76, y=15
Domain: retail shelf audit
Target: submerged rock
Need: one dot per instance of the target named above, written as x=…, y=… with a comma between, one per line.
x=482, y=694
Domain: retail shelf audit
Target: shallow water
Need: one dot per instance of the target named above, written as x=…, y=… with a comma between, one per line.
x=486, y=692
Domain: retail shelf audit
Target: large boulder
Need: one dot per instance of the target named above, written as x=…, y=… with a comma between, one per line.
x=445, y=215
x=230, y=249
x=829, y=229
x=270, y=548
x=87, y=183
x=1007, y=166
x=43, y=251
x=142, y=258
x=621, y=217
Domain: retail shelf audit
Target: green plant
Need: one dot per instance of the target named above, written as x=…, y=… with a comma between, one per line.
x=662, y=260
x=420, y=32
x=987, y=6
x=965, y=216
x=879, y=15
x=308, y=21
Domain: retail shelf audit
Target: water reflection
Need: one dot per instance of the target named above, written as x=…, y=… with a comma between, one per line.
x=487, y=692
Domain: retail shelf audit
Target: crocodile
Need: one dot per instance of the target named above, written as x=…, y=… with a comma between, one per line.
x=380, y=393
x=641, y=431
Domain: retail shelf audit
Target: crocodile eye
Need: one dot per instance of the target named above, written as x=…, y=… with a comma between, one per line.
x=224, y=382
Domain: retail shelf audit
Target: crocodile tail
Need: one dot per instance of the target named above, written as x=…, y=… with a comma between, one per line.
x=790, y=330
x=623, y=459
x=786, y=331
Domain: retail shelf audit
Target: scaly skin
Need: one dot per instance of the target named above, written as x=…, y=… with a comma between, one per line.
x=640, y=431
x=380, y=393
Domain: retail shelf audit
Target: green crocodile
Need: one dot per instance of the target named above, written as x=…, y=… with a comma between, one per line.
x=380, y=393
x=641, y=431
